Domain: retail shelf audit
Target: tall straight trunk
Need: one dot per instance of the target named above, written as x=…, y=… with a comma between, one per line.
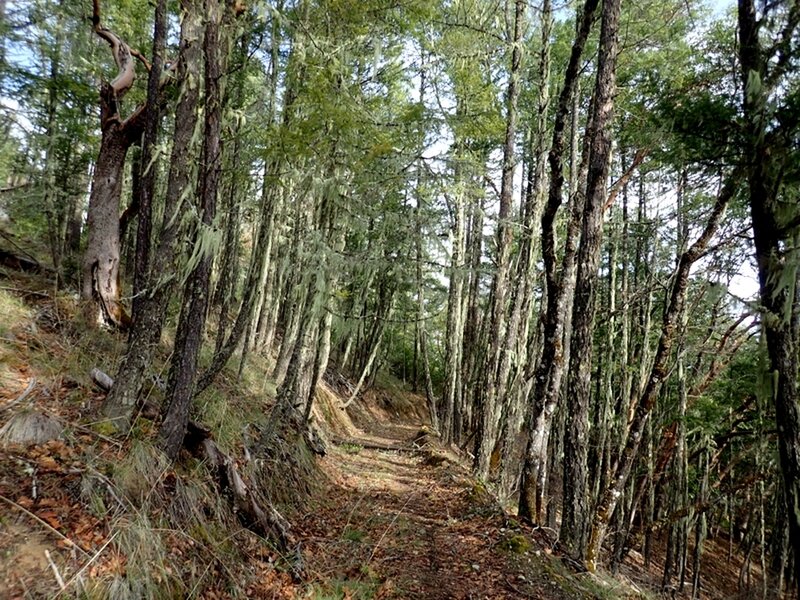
x=778, y=293
x=189, y=335
x=327, y=276
x=150, y=307
x=149, y=154
x=658, y=372
x=604, y=398
x=228, y=267
x=259, y=264
x=576, y=507
x=454, y=334
x=519, y=322
x=72, y=241
x=51, y=191
x=269, y=186
x=295, y=295
x=494, y=378
x=422, y=332
x=472, y=352
x=256, y=274
x=545, y=388
x=266, y=277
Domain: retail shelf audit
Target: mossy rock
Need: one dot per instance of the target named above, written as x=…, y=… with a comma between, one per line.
x=518, y=544
x=478, y=494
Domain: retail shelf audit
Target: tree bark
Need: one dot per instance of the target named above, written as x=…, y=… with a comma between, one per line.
x=150, y=307
x=189, y=336
x=454, y=334
x=576, y=507
x=512, y=394
x=545, y=387
x=494, y=377
x=100, y=265
x=778, y=293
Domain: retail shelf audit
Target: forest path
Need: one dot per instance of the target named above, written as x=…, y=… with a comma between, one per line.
x=392, y=526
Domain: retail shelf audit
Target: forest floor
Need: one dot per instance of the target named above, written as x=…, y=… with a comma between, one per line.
x=409, y=522
x=393, y=514
x=92, y=516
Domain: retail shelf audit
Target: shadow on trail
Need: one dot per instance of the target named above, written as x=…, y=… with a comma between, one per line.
x=391, y=526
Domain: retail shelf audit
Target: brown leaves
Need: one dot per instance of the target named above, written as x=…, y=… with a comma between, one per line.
x=50, y=517
x=47, y=463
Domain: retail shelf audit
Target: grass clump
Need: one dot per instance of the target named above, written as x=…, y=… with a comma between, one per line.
x=343, y=589
x=352, y=448
x=12, y=312
x=353, y=535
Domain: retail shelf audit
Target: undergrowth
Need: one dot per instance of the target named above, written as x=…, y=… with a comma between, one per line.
x=168, y=532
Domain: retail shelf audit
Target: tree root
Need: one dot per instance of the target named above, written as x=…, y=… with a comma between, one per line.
x=261, y=518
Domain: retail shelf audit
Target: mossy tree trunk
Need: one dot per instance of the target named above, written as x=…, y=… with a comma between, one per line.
x=766, y=154
x=150, y=307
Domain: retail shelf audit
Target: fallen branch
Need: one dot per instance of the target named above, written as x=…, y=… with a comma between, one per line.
x=44, y=524
x=59, y=579
x=22, y=396
x=24, y=292
x=372, y=446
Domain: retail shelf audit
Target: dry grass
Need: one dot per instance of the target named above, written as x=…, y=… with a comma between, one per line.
x=147, y=529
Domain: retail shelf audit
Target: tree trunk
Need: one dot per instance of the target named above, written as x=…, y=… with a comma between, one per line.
x=576, y=507
x=150, y=308
x=494, y=378
x=189, y=336
x=779, y=293
x=546, y=385
x=454, y=334
x=519, y=322
x=100, y=268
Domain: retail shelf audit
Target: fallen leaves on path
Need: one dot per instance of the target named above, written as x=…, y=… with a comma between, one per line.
x=391, y=526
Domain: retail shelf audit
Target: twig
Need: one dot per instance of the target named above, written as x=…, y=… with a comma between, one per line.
x=44, y=524
x=86, y=565
x=22, y=396
x=24, y=292
x=388, y=527
x=53, y=566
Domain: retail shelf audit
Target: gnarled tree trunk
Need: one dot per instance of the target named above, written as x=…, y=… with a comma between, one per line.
x=100, y=269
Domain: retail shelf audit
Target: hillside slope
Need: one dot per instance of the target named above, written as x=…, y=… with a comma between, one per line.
x=387, y=513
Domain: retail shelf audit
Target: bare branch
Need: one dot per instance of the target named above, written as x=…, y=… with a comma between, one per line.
x=123, y=57
x=638, y=159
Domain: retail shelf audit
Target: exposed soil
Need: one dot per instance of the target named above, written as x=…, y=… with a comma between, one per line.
x=392, y=526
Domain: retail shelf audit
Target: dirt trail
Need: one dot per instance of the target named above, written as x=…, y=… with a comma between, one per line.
x=392, y=526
